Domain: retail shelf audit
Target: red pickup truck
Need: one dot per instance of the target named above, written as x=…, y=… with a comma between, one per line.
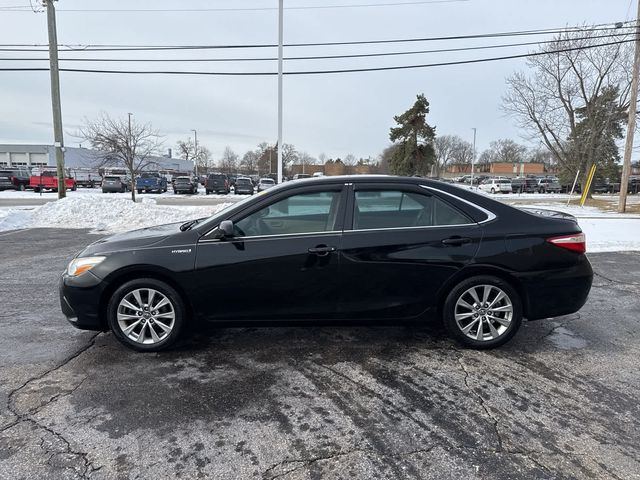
x=48, y=180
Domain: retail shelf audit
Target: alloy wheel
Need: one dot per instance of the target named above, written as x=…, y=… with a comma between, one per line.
x=146, y=316
x=483, y=312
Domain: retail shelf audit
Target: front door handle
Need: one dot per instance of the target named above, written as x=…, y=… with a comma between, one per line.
x=456, y=241
x=322, y=250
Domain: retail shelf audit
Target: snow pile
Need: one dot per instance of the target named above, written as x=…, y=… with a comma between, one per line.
x=104, y=214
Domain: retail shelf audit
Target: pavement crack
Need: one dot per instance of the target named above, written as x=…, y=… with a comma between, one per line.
x=307, y=462
x=611, y=280
x=482, y=404
x=26, y=417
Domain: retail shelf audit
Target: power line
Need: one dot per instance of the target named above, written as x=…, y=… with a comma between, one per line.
x=26, y=8
x=313, y=57
x=317, y=72
x=106, y=48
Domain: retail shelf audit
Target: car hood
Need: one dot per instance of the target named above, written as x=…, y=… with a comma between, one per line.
x=144, y=237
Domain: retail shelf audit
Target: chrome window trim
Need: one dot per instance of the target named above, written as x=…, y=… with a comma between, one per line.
x=490, y=215
x=422, y=227
x=279, y=235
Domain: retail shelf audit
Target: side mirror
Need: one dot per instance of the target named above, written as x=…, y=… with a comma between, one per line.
x=225, y=229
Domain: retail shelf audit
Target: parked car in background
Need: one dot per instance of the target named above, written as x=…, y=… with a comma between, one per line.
x=363, y=247
x=265, y=183
x=495, y=185
x=549, y=185
x=47, y=179
x=185, y=184
x=115, y=183
x=299, y=176
x=86, y=177
x=243, y=185
x=217, y=183
x=15, y=178
x=524, y=185
x=151, y=182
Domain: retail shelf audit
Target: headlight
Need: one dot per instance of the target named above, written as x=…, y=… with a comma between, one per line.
x=80, y=265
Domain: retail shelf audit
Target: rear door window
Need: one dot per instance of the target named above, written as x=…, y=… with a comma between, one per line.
x=382, y=209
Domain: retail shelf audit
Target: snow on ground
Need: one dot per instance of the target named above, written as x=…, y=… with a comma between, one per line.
x=102, y=214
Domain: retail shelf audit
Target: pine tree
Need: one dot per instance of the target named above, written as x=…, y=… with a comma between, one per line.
x=415, y=153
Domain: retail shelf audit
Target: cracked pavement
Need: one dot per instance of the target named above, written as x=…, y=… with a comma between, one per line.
x=302, y=402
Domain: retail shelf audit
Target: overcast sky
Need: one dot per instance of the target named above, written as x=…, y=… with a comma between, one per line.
x=333, y=114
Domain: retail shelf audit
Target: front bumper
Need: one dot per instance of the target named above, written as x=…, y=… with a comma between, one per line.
x=80, y=301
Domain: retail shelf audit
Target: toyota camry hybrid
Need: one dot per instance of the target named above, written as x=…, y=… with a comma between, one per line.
x=336, y=248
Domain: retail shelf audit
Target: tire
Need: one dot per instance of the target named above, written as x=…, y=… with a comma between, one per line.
x=74, y=188
x=139, y=191
x=511, y=320
x=493, y=190
x=207, y=192
x=36, y=190
x=22, y=187
x=172, y=315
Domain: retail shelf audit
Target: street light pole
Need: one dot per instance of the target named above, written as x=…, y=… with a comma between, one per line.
x=58, y=139
x=473, y=158
x=280, y=40
x=195, y=150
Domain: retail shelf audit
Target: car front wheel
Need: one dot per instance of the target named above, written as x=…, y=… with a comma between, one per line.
x=146, y=315
x=482, y=312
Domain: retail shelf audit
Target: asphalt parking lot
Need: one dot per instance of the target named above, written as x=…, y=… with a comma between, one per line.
x=287, y=402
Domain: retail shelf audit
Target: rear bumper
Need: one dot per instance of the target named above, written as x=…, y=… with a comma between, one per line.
x=556, y=292
x=80, y=301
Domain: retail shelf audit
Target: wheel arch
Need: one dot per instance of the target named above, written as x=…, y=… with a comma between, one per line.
x=134, y=272
x=478, y=270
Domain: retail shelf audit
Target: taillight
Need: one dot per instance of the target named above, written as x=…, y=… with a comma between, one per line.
x=576, y=242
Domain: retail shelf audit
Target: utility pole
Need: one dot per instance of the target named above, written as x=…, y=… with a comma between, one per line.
x=195, y=150
x=631, y=124
x=58, y=140
x=280, y=39
x=473, y=158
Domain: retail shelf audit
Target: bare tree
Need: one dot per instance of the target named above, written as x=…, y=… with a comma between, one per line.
x=249, y=162
x=229, y=160
x=451, y=149
x=186, y=149
x=322, y=158
x=548, y=103
x=350, y=159
x=123, y=142
x=289, y=155
x=203, y=159
x=305, y=159
x=504, y=150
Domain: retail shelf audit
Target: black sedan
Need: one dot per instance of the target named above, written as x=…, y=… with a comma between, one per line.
x=340, y=248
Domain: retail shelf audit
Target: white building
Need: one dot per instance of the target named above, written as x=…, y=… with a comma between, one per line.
x=16, y=155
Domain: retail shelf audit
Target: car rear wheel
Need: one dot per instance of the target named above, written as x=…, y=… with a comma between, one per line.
x=146, y=315
x=483, y=312
x=493, y=190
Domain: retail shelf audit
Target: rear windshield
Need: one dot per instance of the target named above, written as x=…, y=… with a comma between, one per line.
x=149, y=175
x=266, y=180
x=217, y=177
x=183, y=179
x=243, y=180
x=112, y=178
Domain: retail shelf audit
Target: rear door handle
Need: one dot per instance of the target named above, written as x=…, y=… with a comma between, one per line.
x=322, y=250
x=456, y=241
